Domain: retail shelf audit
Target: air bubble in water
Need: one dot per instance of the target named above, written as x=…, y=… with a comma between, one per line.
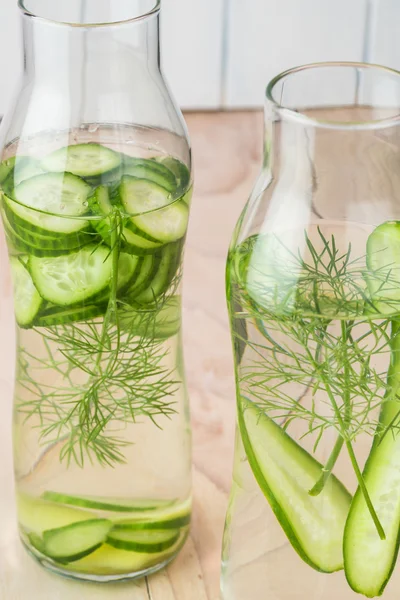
x=62, y=206
x=93, y=128
x=86, y=204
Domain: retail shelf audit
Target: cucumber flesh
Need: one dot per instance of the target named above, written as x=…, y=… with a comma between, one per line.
x=166, y=225
x=127, y=267
x=37, y=542
x=173, y=517
x=38, y=515
x=148, y=268
x=100, y=203
x=150, y=171
x=73, y=542
x=61, y=316
x=148, y=525
x=140, y=195
x=21, y=244
x=136, y=244
x=383, y=261
x=25, y=168
x=285, y=473
x=157, y=323
x=153, y=212
x=151, y=541
x=160, y=280
x=6, y=167
x=44, y=240
x=108, y=560
x=27, y=300
x=178, y=168
x=106, y=504
x=55, y=193
x=85, y=160
x=369, y=560
x=72, y=278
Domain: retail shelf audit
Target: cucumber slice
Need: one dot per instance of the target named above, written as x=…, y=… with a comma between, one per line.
x=171, y=516
x=85, y=160
x=160, y=280
x=149, y=525
x=148, y=268
x=369, y=560
x=20, y=244
x=27, y=300
x=25, y=168
x=37, y=515
x=42, y=239
x=383, y=261
x=73, y=542
x=128, y=266
x=165, y=225
x=100, y=203
x=141, y=196
x=72, y=278
x=163, y=221
x=107, y=504
x=61, y=194
x=285, y=473
x=150, y=541
x=59, y=316
x=136, y=244
x=16, y=170
x=110, y=561
x=37, y=542
x=178, y=168
x=159, y=323
x=6, y=167
x=151, y=171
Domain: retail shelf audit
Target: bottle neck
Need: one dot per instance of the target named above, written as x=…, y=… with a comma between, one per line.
x=57, y=53
x=319, y=172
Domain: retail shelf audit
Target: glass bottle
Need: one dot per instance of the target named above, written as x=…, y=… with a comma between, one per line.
x=313, y=282
x=95, y=196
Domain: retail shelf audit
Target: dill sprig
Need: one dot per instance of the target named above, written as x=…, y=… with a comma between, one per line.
x=105, y=376
x=318, y=331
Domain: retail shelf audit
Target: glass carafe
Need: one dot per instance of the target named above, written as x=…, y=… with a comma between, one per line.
x=313, y=284
x=96, y=184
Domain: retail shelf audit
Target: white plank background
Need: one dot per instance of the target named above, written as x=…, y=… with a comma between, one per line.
x=10, y=51
x=192, y=50
x=207, y=65
x=384, y=46
x=275, y=35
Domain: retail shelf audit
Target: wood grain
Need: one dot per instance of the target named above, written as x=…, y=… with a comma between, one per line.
x=227, y=149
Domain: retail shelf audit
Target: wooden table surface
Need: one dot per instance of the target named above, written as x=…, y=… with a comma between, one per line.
x=227, y=155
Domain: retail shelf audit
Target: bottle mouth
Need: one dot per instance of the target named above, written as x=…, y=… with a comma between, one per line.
x=337, y=95
x=90, y=13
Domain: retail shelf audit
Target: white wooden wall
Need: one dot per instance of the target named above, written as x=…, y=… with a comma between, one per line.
x=222, y=53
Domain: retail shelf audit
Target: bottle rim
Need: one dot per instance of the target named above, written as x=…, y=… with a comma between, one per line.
x=27, y=12
x=298, y=115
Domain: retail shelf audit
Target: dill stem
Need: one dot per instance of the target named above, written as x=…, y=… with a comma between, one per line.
x=113, y=288
x=107, y=321
x=337, y=449
x=354, y=463
x=327, y=471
